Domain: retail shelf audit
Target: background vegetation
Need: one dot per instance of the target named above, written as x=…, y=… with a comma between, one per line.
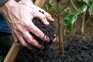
x=72, y=16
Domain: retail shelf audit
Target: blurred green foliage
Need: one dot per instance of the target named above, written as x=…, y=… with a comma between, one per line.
x=70, y=18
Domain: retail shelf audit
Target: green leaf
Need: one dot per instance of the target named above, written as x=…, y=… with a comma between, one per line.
x=80, y=0
x=52, y=2
x=68, y=10
x=81, y=9
x=69, y=20
x=91, y=10
x=69, y=27
x=91, y=0
x=87, y=1
x=53, y=7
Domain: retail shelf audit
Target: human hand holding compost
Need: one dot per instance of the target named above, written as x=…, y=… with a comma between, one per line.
x=19, y=18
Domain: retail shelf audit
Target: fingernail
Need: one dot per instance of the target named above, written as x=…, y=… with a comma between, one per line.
x=54, y=40
x=41, y=46
x=46, y=38
x=46, y=22
x=52, y=19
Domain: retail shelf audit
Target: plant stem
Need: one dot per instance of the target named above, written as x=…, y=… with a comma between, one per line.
x=73, y=4
x=65, y=6
x=60, y=32
x=64, y=30
x=83, y=23
x=87, y=21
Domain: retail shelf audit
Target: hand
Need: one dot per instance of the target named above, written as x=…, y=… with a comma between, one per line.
x=19, y=18
x=36, y=9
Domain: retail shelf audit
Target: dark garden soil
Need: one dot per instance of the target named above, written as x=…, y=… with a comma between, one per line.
x=78, y=48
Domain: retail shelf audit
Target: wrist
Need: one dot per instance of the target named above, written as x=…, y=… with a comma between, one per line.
x=10, y=4
x=2, y=2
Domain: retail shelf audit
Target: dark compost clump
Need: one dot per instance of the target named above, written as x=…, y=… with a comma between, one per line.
x=48, y=30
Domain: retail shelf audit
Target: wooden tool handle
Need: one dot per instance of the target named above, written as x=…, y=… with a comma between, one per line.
x=14, y=48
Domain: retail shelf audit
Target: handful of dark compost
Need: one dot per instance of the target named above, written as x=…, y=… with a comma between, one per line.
x=48, y=30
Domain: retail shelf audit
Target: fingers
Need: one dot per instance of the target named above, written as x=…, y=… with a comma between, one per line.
x=42, y=17
x=21, y=39
x=36, y=31
x=42, y=14
x=48, y=16
x=31, y=41
x=54, y=40
x=26, y=40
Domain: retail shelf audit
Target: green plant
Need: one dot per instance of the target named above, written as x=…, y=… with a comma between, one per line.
x=55, y=5
x=85, y=8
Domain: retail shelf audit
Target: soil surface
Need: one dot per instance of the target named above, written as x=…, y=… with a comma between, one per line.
x=77, y=49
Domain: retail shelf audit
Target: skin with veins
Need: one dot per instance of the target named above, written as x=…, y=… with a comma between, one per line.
x=19, y=17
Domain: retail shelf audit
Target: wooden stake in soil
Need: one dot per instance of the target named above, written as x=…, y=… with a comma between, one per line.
x=14, y=48
x=12, y=53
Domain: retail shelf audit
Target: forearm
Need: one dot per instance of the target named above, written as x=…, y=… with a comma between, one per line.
x=6, y=3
